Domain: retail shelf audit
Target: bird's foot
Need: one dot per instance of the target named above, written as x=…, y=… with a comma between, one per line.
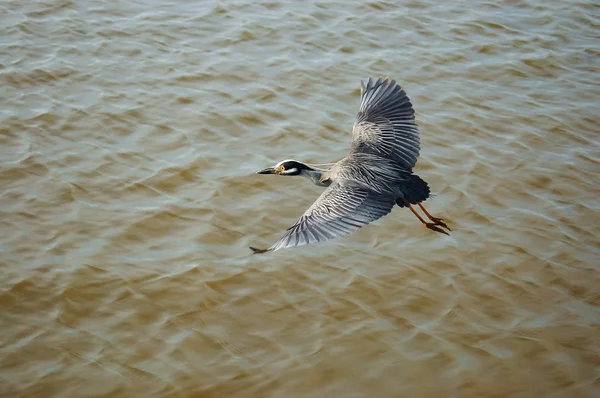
x=434, y=227
x=440, y=222
x=256, y=250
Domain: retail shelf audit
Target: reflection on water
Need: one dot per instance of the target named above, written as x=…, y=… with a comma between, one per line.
x=130, y=133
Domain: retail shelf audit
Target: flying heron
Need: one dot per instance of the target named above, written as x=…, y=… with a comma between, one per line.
x=376, y=174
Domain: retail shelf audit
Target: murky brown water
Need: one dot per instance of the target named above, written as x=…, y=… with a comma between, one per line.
x=129, y=135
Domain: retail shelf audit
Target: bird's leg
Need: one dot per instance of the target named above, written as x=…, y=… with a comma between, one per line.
x=436, y=220
x=429, y=225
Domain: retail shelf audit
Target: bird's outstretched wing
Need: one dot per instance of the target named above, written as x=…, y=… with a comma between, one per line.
x=385, y=124
x=339, y=211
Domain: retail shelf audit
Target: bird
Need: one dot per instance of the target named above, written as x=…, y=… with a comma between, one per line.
x=376, y=175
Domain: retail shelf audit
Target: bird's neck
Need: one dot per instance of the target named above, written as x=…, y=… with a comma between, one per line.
x=317, y=176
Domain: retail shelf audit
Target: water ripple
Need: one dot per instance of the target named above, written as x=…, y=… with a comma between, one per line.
x=129, y=140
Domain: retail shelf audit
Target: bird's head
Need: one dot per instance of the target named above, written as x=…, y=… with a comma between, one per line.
x=286, y=168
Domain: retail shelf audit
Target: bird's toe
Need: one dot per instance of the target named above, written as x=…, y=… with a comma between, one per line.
x=435, y=228
x=440, y=222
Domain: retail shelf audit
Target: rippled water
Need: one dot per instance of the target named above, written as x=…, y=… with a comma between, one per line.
x=130, y=133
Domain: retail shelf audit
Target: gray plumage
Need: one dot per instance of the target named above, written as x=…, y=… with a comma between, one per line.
x=340, y=210
x=385, y=124
x=376, y=174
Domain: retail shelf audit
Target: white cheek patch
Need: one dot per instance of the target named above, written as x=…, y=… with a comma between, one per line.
x=290, y=171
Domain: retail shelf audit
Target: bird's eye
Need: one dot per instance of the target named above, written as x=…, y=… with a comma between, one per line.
x=281, y=168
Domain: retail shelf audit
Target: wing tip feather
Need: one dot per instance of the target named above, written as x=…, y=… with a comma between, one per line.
x=256, y=250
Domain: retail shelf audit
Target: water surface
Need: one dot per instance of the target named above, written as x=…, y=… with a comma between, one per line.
x=130, y=133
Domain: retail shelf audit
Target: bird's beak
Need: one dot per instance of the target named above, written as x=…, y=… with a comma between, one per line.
x=268, y=170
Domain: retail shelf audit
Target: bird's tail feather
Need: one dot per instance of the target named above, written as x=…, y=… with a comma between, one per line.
x=415, y=190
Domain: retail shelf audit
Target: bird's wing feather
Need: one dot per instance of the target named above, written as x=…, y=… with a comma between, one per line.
x=339, y=211
x=385, y=124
